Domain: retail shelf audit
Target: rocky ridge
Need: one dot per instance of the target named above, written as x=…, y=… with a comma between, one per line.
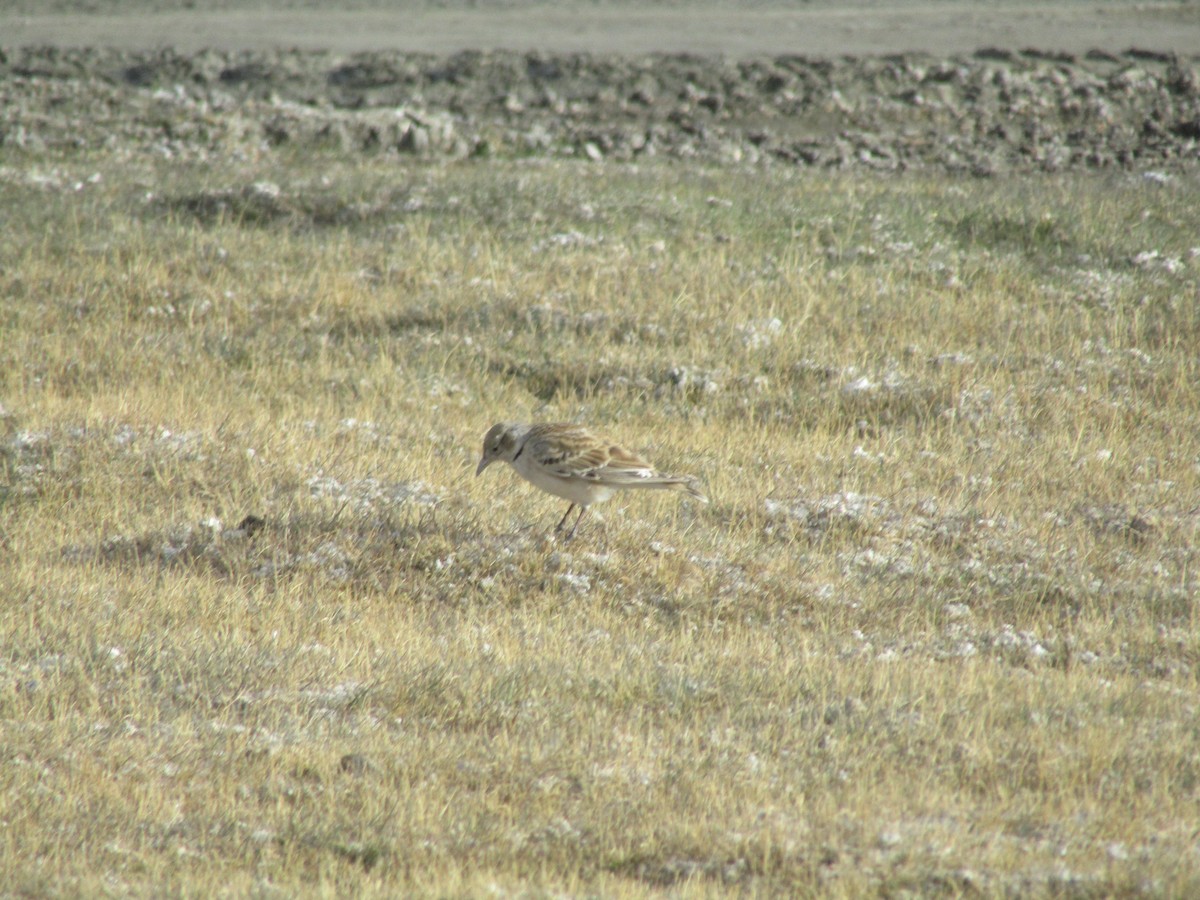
x=989, y=112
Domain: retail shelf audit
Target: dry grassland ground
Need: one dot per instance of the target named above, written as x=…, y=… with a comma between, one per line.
x=264, y=633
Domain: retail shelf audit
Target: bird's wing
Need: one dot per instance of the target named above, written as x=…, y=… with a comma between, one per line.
x=574, y=452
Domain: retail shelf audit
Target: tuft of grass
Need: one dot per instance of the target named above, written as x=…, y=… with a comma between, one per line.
x=263, y=629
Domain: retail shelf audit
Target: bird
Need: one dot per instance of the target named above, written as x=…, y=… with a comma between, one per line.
x=571, y=462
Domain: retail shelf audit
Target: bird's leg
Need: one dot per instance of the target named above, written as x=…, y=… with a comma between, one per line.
x=563, y=521
x=582, y=512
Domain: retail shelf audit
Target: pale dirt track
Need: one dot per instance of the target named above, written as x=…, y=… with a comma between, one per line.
x=819, y=29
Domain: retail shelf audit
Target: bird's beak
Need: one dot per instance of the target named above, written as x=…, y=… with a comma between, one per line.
x=483, y=464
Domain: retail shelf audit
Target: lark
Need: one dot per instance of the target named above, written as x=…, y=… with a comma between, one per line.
x=573, y=463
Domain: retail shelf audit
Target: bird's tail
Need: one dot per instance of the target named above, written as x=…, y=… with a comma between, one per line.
x=688, y=486
x=684, y=483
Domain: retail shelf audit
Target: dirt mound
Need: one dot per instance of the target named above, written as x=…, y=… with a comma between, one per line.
x=987, y=112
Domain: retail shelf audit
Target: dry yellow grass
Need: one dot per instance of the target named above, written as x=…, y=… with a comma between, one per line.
x=937, y=632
